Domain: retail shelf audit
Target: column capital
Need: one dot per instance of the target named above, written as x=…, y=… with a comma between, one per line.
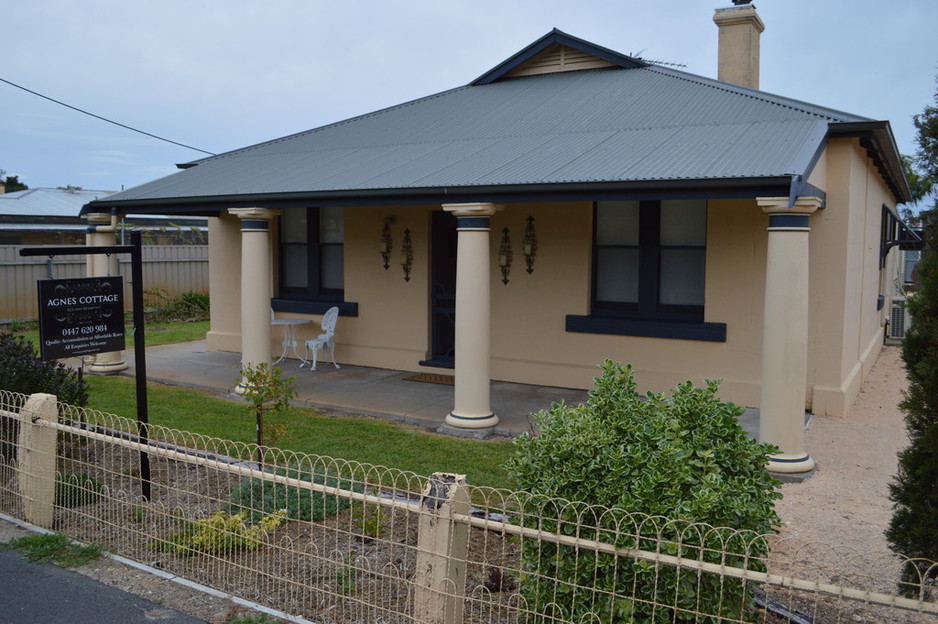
x=782, y=205
x=98, y=217
x=476, y=209
x=253, y=214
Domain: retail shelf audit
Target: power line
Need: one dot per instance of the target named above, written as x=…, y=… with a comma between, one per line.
x=110, y=121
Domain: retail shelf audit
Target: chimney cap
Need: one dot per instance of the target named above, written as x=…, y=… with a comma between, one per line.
x=740, y=2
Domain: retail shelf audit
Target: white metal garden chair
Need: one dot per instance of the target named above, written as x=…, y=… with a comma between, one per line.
x=325, y=339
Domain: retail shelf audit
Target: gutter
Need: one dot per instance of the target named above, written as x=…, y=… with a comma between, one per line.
x=880, y=144
x=110, y=228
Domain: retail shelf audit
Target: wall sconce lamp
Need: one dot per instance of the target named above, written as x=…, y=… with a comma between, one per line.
x=529, y=246
x=386, y=242
x=505, y=255
x=407, y=255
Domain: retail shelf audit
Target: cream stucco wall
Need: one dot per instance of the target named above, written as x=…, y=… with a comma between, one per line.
x=224, y=276
x=846, y=280
x=529, y=343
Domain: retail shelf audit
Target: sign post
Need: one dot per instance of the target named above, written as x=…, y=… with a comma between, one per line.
x=82, y=316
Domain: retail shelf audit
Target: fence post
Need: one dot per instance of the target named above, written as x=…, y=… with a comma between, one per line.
x=440, y=580
x=36, y=457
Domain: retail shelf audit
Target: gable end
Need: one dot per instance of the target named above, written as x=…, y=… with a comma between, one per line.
x=558, y=58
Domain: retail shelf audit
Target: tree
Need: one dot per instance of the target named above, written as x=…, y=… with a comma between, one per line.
x=267, y=392
x=12, y=183
x=914, y=492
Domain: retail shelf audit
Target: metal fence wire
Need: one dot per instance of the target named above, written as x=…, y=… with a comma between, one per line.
x=337, y=541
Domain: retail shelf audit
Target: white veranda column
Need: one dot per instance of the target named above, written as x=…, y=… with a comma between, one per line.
x=785, y=332
x=255, y=286
x=102, y=232
x=472, y=401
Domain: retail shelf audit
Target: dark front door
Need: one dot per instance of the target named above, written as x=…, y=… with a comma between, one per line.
x=443, y=290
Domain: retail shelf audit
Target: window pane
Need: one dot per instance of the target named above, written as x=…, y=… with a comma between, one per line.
x=617, y=223
x=617, y=275
x=331, y=225
x=682, y=277
x=684, y=222
x=332, y=271
x=295, y=266
x=293, y=225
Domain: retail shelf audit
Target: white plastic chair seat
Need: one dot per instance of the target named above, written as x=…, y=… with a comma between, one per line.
x=323, y=340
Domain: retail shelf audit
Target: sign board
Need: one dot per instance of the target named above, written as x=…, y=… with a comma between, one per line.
x=81, y=316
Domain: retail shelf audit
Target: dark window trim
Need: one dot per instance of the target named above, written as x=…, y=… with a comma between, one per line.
x=649, y=278
x=646, y=318
x=680, y=330
x=313, y=299
x=310, y=306
x=314, y=247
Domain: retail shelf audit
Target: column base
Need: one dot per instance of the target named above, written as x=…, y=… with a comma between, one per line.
x=106, y=368
x=785, y=464
x=240, y=389
x=471, y=422
x=461, y=432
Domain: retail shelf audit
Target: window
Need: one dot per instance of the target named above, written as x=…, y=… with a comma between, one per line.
x=312, y=266
x=649, y=271
x=650, y=258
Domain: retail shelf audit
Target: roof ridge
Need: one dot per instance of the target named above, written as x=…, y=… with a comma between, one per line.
x=771, y=98
x=328, y=126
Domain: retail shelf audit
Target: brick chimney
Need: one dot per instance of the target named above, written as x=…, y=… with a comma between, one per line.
x=740, y=28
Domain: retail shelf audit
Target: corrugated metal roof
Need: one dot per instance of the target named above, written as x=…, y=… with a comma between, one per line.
x=609, y=126
x=48, y=202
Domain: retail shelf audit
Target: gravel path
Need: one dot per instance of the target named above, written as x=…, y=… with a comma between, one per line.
x=846, y=503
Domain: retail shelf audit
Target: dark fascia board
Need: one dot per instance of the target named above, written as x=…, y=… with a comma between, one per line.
x=877, y=138
x=556, y=36
x=732, y=188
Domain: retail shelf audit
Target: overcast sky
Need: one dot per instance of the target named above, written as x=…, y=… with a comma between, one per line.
x=224, y=74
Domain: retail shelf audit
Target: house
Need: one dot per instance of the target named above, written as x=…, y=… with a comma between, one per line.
x=570, y=205
x=51, y=216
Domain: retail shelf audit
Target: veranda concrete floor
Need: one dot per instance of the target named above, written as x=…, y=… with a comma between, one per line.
x=374, y=392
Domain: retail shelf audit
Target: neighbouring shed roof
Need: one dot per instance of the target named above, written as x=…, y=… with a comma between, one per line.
x=48, y=202
x=624, y=126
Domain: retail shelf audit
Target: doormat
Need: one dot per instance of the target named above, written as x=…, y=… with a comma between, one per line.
x=446, y=380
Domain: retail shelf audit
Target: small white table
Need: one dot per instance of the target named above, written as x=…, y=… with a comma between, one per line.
x=289, y=337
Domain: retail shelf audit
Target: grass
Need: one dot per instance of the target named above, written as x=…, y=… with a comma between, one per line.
x=54, y=548
x=308, y=430
x=154, y=334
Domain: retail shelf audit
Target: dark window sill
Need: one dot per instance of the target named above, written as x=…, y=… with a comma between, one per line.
x=710, y=332
x=306, y=306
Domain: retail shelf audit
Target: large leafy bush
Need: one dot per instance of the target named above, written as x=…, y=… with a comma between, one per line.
x=664, y=466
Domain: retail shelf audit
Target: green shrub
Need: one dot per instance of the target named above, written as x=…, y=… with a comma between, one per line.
x=259, y=497
x=21, y=370
x=161, y=307
x=73, y=490
x=684, y=458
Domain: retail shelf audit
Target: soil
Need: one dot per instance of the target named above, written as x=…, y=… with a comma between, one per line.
x=841, y=510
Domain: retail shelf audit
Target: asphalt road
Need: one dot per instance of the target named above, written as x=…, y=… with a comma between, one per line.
x=44, y=593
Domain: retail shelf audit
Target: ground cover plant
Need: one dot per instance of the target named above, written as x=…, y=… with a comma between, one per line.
x=55, y=548
x=308, y=430
x=682, y=457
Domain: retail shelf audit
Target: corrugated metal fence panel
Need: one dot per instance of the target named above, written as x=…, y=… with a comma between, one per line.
x=173, y=268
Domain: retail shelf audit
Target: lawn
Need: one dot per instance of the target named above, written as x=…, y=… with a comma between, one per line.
x=366, y=440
